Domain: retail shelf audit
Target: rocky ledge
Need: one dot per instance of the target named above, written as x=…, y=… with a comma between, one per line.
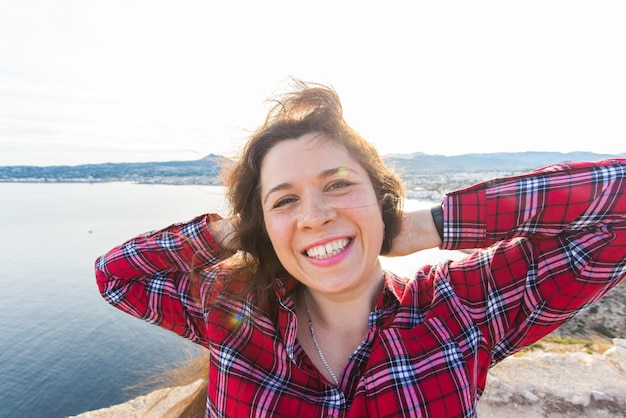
x=549, y=384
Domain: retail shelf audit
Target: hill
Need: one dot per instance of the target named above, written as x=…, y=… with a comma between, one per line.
x=502, y=161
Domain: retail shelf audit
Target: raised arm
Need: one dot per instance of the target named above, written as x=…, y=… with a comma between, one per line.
x=155, y=276
x=554, y=200
x=557, y=240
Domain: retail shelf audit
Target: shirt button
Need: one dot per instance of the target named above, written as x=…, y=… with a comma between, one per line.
x=356, y=372
x=380, y=321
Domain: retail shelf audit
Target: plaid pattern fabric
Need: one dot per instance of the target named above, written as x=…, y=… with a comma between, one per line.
x=554, y=241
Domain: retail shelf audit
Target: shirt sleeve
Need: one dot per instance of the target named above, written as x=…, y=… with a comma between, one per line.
x=555, y=241
x=156, y=276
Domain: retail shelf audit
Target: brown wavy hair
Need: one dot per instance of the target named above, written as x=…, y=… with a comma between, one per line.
x=308, y=108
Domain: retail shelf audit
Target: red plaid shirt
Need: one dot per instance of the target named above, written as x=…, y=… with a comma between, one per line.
x=555, y=241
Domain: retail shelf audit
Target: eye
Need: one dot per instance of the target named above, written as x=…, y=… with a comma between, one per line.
x=283, y=202
x=339, y=184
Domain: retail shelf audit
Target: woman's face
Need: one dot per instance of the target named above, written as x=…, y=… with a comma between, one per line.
x=322, y=215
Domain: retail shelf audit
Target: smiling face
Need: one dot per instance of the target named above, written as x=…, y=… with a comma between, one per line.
x=322, y=215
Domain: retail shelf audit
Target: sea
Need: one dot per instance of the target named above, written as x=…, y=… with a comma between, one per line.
x=63, y=350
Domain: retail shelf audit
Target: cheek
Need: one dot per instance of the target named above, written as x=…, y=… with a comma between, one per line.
x=374, y=222
x=277, y=232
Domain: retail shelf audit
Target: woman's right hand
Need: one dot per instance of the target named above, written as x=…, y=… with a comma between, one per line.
x=223, y=232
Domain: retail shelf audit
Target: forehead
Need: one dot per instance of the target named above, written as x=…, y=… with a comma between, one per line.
x=308, y=155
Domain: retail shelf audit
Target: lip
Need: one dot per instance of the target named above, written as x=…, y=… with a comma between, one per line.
x=332, y=259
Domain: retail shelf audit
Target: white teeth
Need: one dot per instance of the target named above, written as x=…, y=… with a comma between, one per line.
x=328, y=250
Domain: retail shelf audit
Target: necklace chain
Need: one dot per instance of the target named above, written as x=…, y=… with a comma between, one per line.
x=317, y=346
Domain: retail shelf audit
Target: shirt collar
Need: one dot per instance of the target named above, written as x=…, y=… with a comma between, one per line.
x=394, y=290
x=284, y=287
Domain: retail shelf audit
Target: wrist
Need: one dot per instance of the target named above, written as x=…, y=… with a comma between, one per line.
x=437, y=214
x=418, y=232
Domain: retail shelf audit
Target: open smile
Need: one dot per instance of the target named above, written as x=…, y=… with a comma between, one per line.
x=328, y=250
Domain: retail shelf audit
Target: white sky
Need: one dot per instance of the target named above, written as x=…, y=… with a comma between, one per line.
x=108, y=80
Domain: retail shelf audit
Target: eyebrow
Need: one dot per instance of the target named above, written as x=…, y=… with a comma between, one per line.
x=324, y=174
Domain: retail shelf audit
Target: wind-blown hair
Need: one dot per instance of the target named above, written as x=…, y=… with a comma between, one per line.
x=309, y=108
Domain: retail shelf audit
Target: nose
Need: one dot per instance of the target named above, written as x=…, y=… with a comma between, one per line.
x=315, y=212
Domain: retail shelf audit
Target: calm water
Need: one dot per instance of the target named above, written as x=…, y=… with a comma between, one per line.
x=63, y=350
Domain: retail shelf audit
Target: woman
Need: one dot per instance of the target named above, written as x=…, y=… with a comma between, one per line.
x=290, y=299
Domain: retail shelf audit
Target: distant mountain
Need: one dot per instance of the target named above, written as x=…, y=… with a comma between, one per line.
x=502, y=161
x=207, y=167
x=206, y=170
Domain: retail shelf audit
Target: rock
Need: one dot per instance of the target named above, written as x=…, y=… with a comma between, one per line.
x=154, y=404
x=545, y=384
x=582, y=400
x=601, y=396
x=529, y=397
x=617, y=353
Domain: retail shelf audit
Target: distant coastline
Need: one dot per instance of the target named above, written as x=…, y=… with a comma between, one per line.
x=426, y=176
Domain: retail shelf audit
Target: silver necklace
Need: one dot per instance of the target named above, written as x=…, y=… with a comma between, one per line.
x=317, y=346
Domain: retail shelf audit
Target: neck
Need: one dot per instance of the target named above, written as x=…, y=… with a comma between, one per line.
x=334, y=325
x=330, y=311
